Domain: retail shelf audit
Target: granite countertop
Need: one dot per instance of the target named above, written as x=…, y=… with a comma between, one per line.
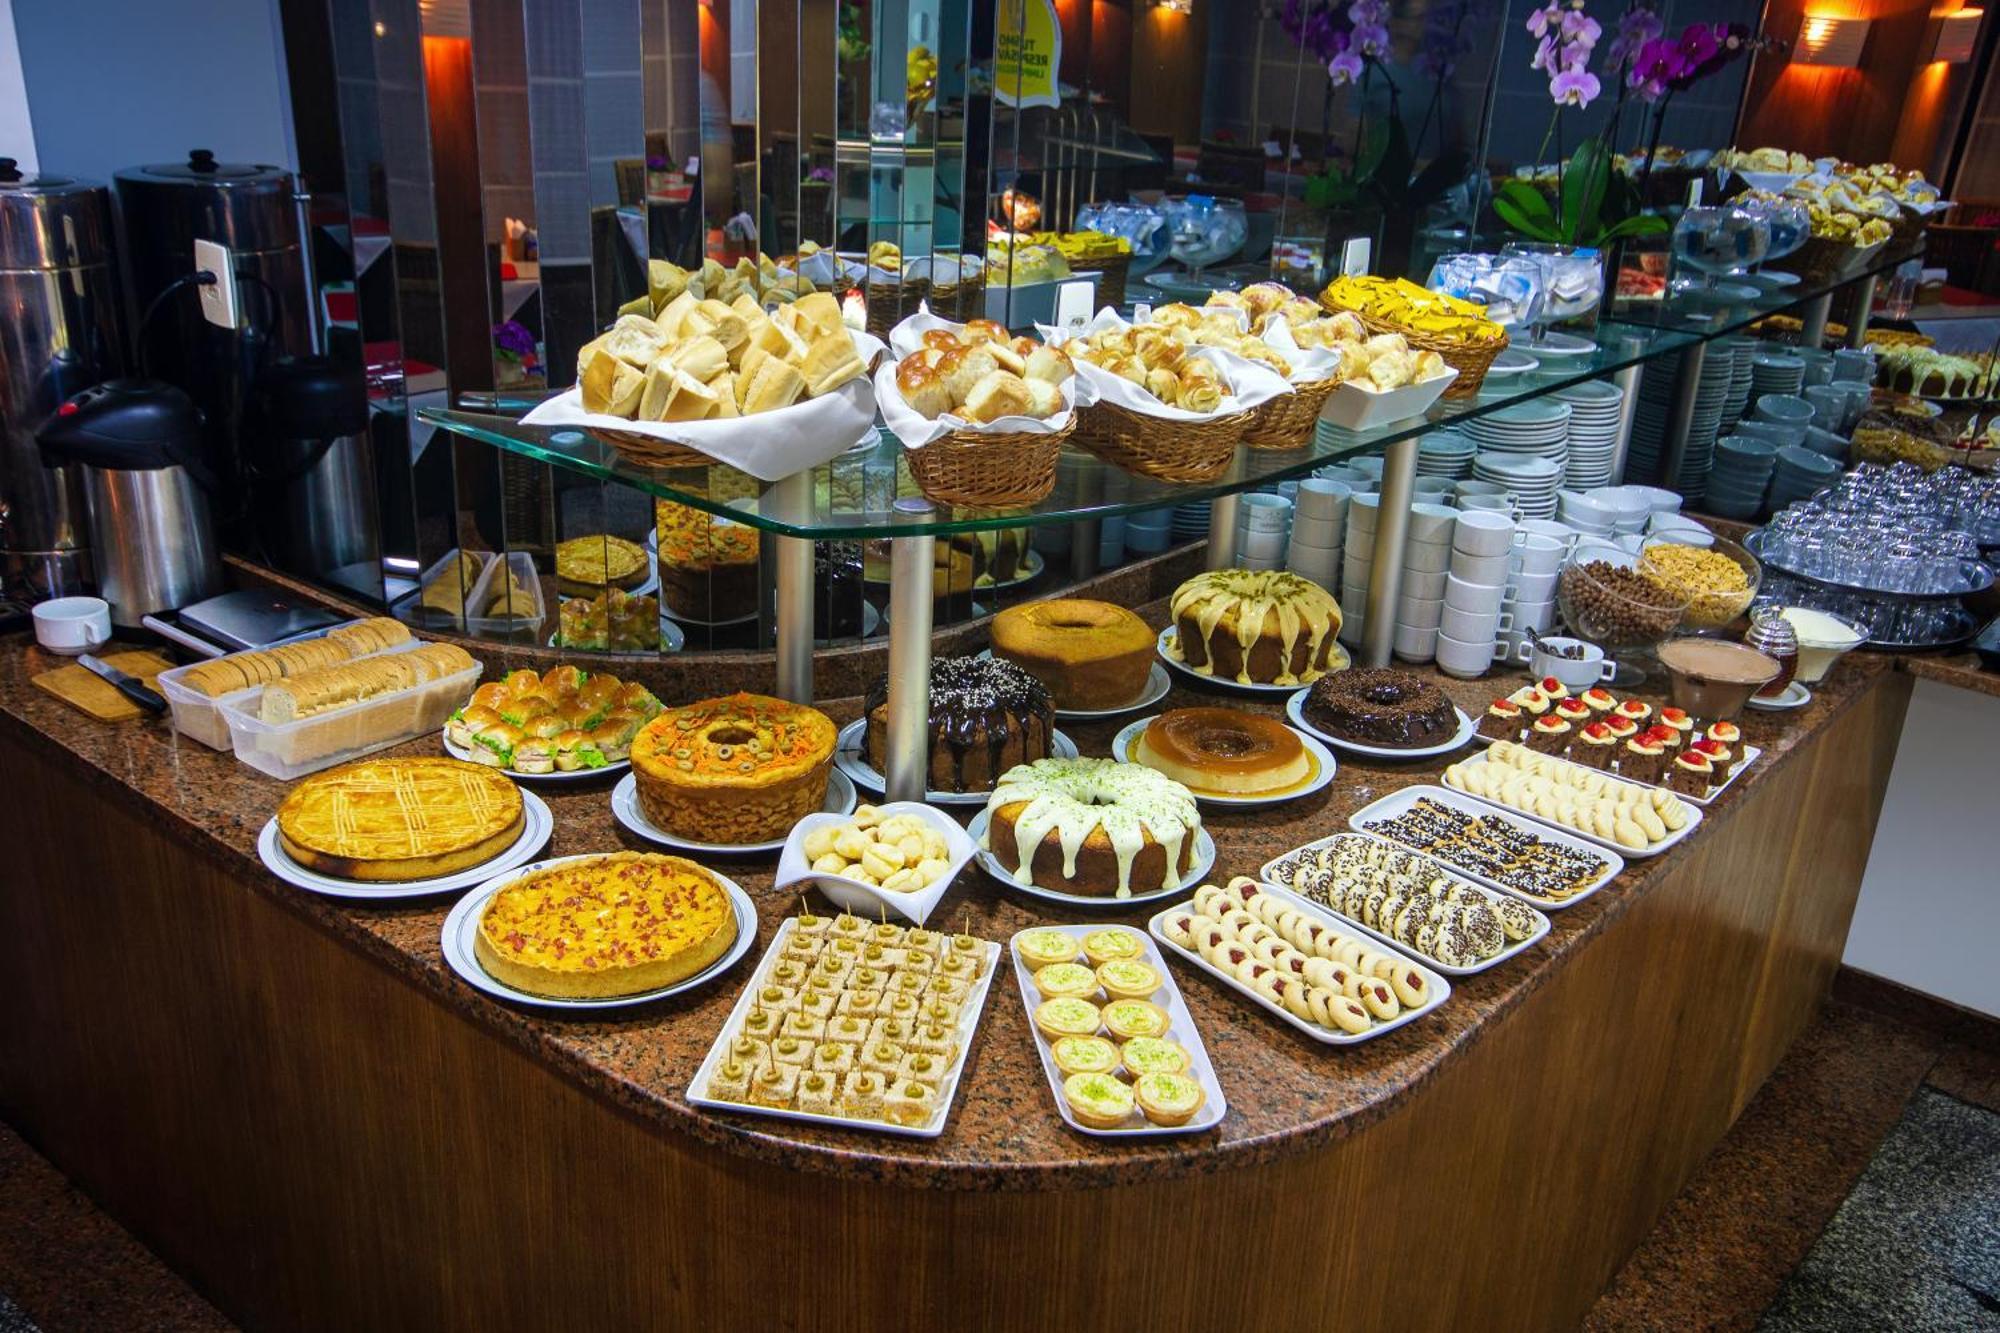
x=1286, y=1092
x=1966, y=670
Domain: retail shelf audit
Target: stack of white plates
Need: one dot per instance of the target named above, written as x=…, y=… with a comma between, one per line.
x=1538, y=428
x=1190, y=521
x=1445, y=453
x=1534, y=481
x=1776, y=372
x=1742, y=351
x=1656, y=408
x=1594, y=409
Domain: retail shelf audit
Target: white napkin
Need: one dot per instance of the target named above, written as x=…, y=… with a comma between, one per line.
x=916, y=430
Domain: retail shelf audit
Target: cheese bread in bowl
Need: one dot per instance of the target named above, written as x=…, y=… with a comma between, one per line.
x=396, y=820
x=598, y=927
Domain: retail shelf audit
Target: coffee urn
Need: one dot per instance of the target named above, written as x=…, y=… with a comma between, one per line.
x=59, y=333
x=252, y=211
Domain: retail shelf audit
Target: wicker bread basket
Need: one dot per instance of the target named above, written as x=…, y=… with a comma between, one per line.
x=968, y=467
x=1157, y=447
x=1824, y=260
x=889, y=302
x=1110, y=277
x=650, y=451
x=1287, y=421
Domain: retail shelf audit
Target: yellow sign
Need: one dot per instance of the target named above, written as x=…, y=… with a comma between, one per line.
x=1028, y=51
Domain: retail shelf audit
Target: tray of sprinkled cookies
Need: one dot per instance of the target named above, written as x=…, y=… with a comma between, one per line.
x=853, y=1025
x=1300, y=962
x=1121, y=1051
x=1517, y=855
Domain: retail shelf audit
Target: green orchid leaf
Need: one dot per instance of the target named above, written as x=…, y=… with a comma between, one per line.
x=1585, y=181
x=1536, y=226
x=1645, y=224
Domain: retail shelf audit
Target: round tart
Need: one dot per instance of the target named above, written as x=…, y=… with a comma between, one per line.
x=1126, y=1019
x=1128, y=979
x=1225, y=751
x=1168, y=1099
x=605, y=926
x=587, y=565
x=1067, y=1016
x=1084, y=1055
x=1071, y=979
x=1039, y=948
x=1103, y=946
x=394, y=820
x=740, y=769
x=1098, y=1101
x=1089, y=655
x=1154, y=1055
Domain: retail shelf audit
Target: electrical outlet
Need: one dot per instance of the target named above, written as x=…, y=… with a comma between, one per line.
x=221, y=300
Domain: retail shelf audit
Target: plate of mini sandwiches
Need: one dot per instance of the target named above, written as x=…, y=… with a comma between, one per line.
x=564, y=724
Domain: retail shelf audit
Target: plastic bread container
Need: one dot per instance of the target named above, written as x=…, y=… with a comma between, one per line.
x=293, y=749
x=199, y=716
x=527, y=620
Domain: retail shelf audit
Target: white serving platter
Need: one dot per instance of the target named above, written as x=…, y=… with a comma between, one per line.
x=848, y=759
x=461, y=926
x=1204, y=861
x=1750, y=753
x=1180, y=1028
x=1271, y=867
x=1439, y=990
x=554, y=779
x=1671, y=840
x=536, y=825
x=968, y=1023
x=1396, y=803
x=1169, y=646
x=840, y=800
x=1125, y=746
x=1295, y=709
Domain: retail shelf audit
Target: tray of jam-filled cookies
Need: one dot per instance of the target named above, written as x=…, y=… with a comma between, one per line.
x=1299, y=961
x=1119, y=1047
x=853, y=1025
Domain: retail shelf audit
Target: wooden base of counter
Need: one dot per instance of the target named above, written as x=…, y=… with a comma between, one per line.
x=318, y=1142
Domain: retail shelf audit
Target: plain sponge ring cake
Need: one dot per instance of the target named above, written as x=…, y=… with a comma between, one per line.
x=1090, y=655
x=1092, y=827
x=1255, y=627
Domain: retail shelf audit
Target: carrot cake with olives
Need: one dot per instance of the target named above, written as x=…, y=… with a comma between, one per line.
x=739, y=769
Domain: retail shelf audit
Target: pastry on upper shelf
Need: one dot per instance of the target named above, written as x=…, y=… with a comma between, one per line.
x=739, y=769
x=708, y=565
x=394, y=820
x=1391, y=709
x=1415, y=309
x=1256, y=626
x=1224, y=751
x=614, y=621
x=986, y=716
x=979, y=374
x=1089, y=655
x=586, y=566
x=1093, y=827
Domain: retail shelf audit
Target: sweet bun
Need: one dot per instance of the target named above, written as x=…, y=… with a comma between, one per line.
x=1044, y=399
x=965, y=368
x=923, y=389
x=1049, y=364
x=1164, y=385
x=998, y=394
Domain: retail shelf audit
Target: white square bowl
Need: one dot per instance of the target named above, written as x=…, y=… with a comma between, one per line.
x=865, y=900
x=1355, y=408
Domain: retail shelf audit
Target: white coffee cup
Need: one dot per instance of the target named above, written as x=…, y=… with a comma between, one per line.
x=1482, y=532
x=1575, y=673
x=1415, y=645
x=1562, y=533
x=1361, y=511
x=1465, y=660
x=1256, y=562
x=1432, y=522
x=1471, y=595
x=1321, y=497
x=1536, y=616
x=1264, y=512
x=1486, y=504
x=1525, y=587
x=1419, y=612
x=1418, y=583
x=1350, y=629
x=1353, y=601
x=1320, y=569
x=1494, y=569
x=1262, y=543
x=1427, y=557
x=1473, y=626
x=1354, y=573
x=72, y=625
x=1313, y=530
x=1536, y=554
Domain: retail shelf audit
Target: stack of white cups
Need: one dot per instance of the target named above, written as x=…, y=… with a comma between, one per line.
x=1357, y=552
x=1426, y=557
x=1540, y=547
x=1264, y=520
x=1475, y=592
x=1319, y=520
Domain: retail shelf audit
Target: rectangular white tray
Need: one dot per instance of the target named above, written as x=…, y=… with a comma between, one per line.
x=968, y=1023
x=1514, y=947
x=1180, y=1028
x=1750, y=753
x=1395, y=803
x=1440, y=989
x=1671, y=840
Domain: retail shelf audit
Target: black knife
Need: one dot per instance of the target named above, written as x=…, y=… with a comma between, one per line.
x=130, y=686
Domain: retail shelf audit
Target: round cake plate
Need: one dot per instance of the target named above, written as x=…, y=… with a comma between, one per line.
x=579, y=775
x=536, y=825
x=1295, y=709
x=840, y=800
x=461, y=925
x=1125, y=745
x=1169, y=644
x=847, y=759
x=1204, y=861
x=1794, y=695
x=1158, y=682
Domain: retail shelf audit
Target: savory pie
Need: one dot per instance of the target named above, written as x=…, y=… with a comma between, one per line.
x=399, y=819
x=602, y=926
x=587, y=565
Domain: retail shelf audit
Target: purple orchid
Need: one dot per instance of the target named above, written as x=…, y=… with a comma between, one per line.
x=1574, y=87
x=1345, y=68
x=1636, y=27
x=1566, y=36
x=513, y=337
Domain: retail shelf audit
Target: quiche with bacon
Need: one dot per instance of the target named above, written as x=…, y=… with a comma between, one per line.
x=596, y=927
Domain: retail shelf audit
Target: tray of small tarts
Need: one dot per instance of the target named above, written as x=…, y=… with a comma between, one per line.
x=1748, y=754
x=1567, y=867
x=1121, y=1052
x=853, y=1025
x=1300, y=962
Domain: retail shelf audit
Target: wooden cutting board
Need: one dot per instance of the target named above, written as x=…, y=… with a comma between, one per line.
x=96, y=696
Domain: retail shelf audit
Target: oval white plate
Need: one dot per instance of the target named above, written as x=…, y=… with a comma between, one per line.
x=1170, y=635
x=1204, y=861
x=1794, y=695
x=1157, y=685
x=579, y=775
x=1124, y=747
x=847, y=758
x=1295, y=709
x=840, y=800
x=461, y=924
x=863, y=899
x=536, y=825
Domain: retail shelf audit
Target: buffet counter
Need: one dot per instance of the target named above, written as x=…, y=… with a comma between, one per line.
x=294, y=1101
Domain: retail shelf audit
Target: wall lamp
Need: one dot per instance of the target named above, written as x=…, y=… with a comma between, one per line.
x=1957, y=34
x=1830, y=41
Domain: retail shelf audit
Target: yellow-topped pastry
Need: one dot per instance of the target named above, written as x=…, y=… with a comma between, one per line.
x=1128, y=979
x=399, y=819
x=588, y=565
x=739, y=769
x=1154, y=1055
x=1084, y=1055
x=1168, y=1099
x=1126, y=1019
x=1098, y=1101
x=1072, y=979
x=606, y=925
x=1039, y=948
x=1066, y=1016
x=1103, y=946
